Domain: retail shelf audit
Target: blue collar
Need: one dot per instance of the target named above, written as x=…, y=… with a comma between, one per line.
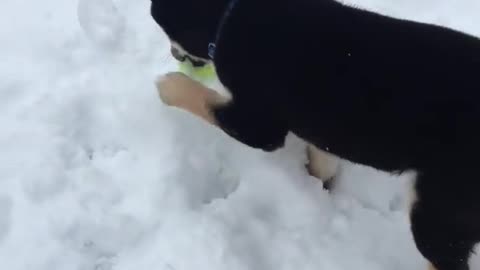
x=212, y=46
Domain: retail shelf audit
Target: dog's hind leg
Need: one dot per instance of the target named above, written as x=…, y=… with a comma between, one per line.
x=445, y=219
x=322, y=165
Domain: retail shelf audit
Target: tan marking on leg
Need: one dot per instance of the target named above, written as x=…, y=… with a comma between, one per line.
x=412, y=192
x=321, y=164
x=178, y=90
x=431, y=267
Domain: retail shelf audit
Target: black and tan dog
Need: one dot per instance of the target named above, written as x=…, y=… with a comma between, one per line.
x=392, y=94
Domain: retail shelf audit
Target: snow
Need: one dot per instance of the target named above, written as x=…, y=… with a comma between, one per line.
x=96, y=173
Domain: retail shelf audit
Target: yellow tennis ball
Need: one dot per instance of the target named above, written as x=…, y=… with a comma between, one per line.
x=204, y=74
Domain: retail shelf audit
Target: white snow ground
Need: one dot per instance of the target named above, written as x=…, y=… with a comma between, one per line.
x=95, y=173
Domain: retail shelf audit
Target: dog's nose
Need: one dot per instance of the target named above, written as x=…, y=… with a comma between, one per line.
x=177, y=55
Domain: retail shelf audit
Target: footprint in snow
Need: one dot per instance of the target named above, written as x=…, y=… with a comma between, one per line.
x=101, y=22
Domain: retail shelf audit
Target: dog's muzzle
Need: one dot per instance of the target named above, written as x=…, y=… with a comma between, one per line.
x=184, y=57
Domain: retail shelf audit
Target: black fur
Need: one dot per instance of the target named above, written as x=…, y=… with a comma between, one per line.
x=388, y=93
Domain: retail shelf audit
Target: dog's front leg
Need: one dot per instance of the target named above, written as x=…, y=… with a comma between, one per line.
x=251, y=121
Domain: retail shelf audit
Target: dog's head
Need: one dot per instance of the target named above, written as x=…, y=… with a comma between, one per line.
x=190, y=24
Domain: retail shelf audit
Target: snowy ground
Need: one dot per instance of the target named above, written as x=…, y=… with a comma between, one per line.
x=95, y=173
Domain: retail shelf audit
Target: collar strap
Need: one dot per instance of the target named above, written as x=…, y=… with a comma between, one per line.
x=212, y=46
x=211, y=50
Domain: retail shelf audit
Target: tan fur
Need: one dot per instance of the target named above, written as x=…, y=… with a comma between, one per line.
x=321, y=164
x=178, y=90
x=431, y=267
x=412, y=194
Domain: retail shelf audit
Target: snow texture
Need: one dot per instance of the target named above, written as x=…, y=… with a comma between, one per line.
x=95, y=173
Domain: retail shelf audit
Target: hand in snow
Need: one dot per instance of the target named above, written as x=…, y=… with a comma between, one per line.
x=178, y=90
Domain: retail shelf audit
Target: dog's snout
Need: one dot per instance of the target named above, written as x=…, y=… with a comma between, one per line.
x=177, y=55
x=181, y=56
